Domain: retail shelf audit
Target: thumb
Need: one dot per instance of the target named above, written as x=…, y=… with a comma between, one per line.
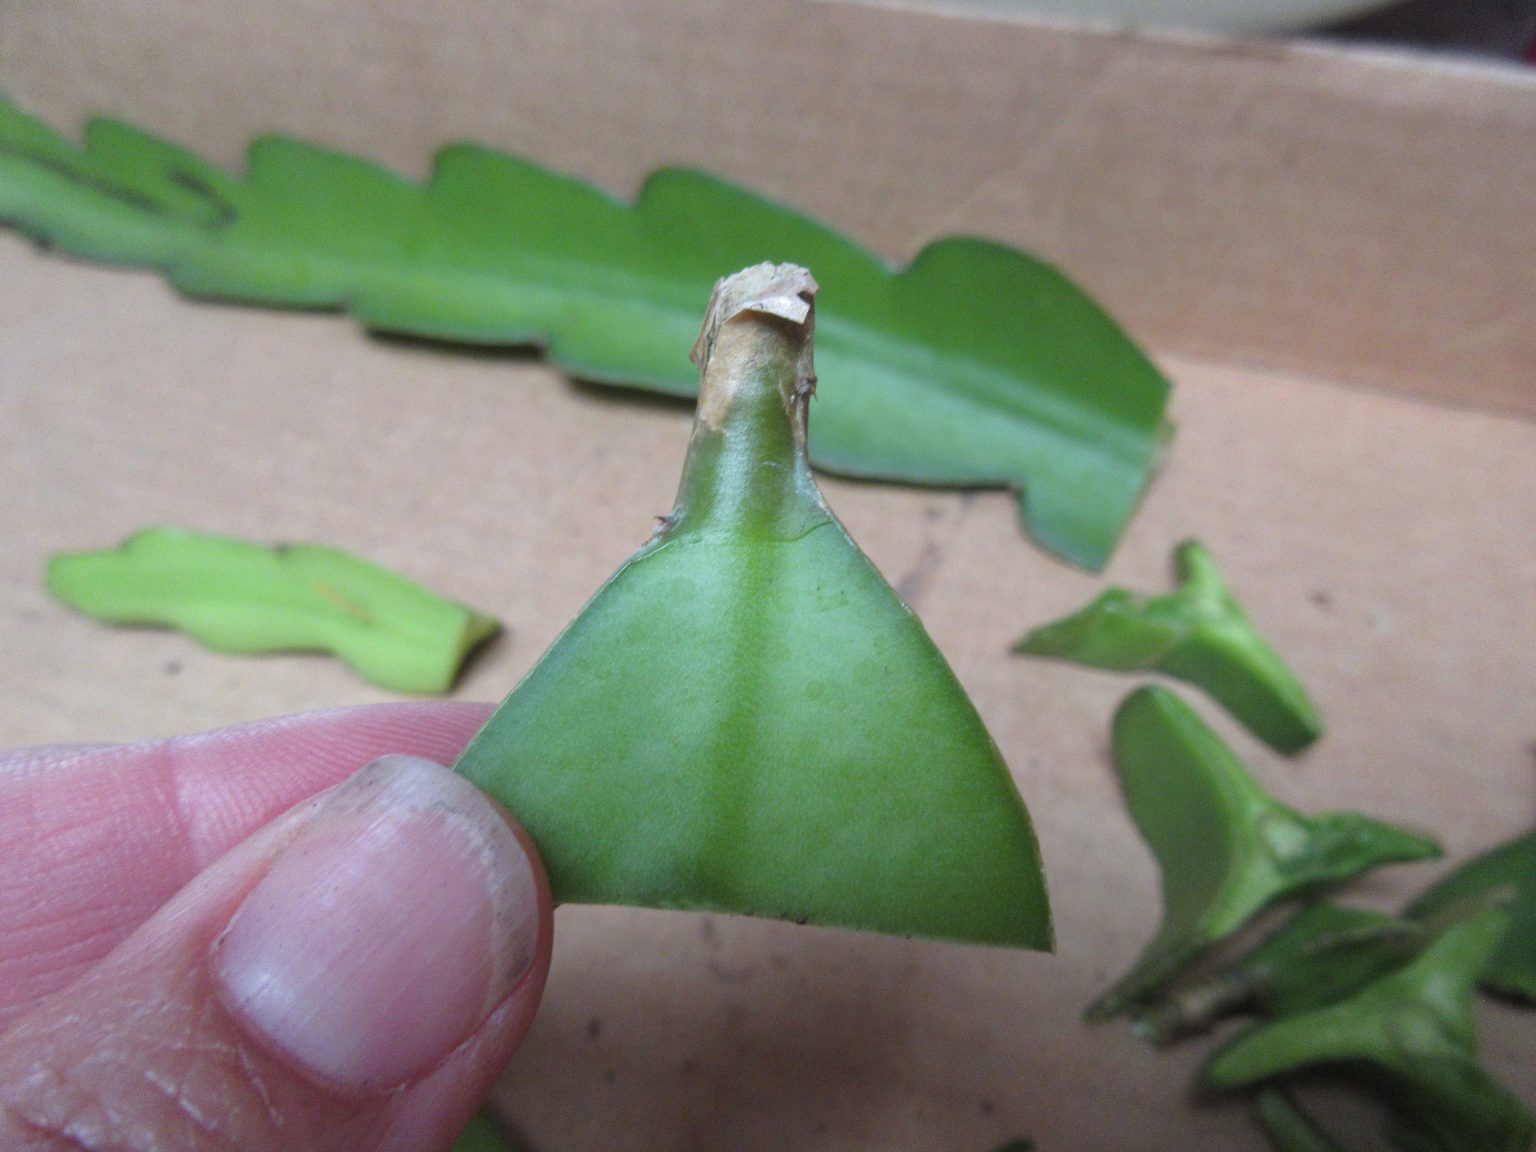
x=353, y=976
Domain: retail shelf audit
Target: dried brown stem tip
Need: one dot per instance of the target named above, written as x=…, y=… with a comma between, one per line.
x=779, y=298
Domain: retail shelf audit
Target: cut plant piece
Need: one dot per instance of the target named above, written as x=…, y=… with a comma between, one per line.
x=1199, y=634
x=1323, y=953
x=1288, y=1127
x=746, y=718
x=1508, y=873
x=1225, y=848
x=240, y=597
x=976, y=365
x=486, y=1133
x=1411, y=1035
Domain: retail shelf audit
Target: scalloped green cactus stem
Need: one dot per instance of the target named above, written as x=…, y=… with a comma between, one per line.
x=976, y=365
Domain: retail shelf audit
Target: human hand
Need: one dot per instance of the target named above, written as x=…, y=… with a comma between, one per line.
x=240, y=940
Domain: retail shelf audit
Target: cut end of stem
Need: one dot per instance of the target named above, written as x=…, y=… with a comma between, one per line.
x=782, y=290
x=778, y=298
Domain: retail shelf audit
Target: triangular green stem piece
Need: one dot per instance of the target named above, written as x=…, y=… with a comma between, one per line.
x=1198, y=633
x=1225, y=848
x=746, y=718
x=1411, y=1034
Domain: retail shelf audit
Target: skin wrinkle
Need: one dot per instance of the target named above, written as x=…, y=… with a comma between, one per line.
x=55, y=866
x=258, y=1081
x=44, y=1141
x=197, y=1043
x=27, y=761
x=167, y=1061
x=92, y=1123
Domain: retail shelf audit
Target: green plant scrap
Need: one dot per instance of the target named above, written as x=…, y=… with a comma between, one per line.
x=485, y=1132
x=1507, y=873
x=1384, y=999
x=1225, y=848
x=240, y=597
x=976, y=365
x=1410, y=1035
x=1323, y=953
x=1199, y=634
x=746, y=718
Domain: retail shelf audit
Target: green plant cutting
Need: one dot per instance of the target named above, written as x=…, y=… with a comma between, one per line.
x=1225, y=848
x=976, y=365
x=486, y=1133
x=745, y=717
x=1200, y=634
x=235, y=596
x=1507, y=872
x=1325, y=952
x=1410, y=1035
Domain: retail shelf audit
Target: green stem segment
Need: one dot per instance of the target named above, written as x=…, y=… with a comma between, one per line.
x=746, y=718
x=1225, y=847
x=1506, y=873
x=235, y=596
x=1200, y=634
x=1411, y=1035
x=1323, y=953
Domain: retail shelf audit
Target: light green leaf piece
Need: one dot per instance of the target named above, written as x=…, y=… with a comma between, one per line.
x=240, y=597
x=746, y=718
x=1323, y=953
x=1288, y=1126
x=1199, y=634
x=975, y=366
x=1226, y=849
x=1411, y=1035
x=486, y=1133
x=1507, y=872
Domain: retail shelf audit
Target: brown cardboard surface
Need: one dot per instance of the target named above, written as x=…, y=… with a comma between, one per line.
x=1384, y=544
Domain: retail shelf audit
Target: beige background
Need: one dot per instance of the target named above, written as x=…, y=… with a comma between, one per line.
x=1385, y=544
